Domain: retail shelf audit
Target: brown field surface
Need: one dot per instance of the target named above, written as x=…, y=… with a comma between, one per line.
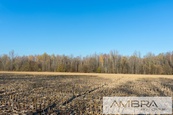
x=89, y=74
x=73, y=93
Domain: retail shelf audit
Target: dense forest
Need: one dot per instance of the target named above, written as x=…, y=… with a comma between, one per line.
x=97, y=63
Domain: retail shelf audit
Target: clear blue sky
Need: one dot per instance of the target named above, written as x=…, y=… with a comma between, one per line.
x=83, y=27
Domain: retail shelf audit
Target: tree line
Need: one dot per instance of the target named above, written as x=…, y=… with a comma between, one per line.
x=112, y=62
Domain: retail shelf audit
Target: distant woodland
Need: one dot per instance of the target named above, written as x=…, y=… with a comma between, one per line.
x=96, y=63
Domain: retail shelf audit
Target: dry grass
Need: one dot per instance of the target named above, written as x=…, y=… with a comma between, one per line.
x=74, y=93
x=132, y=76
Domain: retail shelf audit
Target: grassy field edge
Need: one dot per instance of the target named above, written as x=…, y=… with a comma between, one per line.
x=88, y=74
